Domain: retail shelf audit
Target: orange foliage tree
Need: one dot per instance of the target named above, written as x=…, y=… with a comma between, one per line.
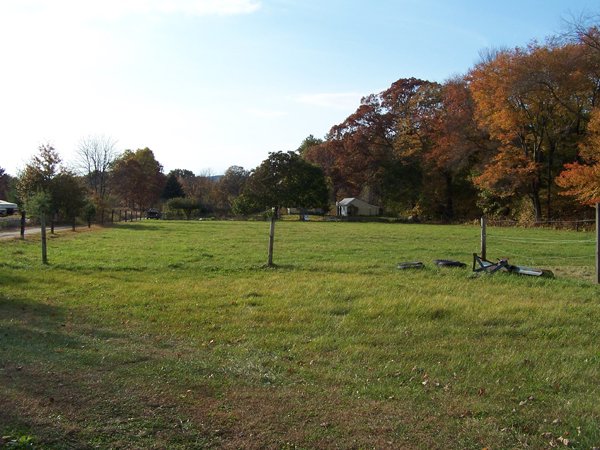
x=581, y=179
x=535, y=102
x=374, y=153
x=457, y=146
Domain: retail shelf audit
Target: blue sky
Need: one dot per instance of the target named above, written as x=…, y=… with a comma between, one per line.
x=207, y=84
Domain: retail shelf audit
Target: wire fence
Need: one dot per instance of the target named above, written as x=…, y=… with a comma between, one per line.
x=575, y=253
x=577, y=225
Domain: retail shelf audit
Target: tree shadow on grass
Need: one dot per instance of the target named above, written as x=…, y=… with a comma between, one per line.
x=138, y=226
x=76, y=385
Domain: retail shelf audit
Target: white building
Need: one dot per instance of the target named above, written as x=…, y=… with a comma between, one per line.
x=356, y=207
x=7, y=208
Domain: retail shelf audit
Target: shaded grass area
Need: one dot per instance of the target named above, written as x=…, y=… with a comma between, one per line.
x=171, y=334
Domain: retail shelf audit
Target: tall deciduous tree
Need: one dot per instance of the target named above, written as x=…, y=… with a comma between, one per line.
x=455, y=149
x=581, y=179
x=535, y=102
x=138, y=178
x=388, y=134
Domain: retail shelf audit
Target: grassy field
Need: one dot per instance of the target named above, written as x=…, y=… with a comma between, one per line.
x=174, y=335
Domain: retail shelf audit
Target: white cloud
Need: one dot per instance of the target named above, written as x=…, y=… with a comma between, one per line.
x=335, y=100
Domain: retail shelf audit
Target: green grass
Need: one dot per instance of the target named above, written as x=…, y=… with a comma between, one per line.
x=174, y=335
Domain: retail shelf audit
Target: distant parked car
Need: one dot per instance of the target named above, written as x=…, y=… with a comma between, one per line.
x=153, y=213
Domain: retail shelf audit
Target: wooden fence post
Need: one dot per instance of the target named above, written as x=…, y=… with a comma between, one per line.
x=22, y=224
x=271, y=238
x=483, y=238
x=44, y=245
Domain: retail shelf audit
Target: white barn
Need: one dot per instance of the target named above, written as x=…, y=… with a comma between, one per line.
x=356, y=207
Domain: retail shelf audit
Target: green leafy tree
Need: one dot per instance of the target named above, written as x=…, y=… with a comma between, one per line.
x=308, y=142
x=89, y=212
x=68, y=196
x=186, y=205
x=285, y=179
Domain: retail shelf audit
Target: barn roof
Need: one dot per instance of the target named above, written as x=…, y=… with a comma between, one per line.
x=353, y=200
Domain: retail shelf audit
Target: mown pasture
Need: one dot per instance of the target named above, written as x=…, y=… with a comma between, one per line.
x=160, y=334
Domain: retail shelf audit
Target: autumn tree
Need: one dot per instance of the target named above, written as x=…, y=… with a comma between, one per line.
x=581, y=179
x=454, y=150
x=185, y=178
x=230, y=186
x=535, y=102
x=383, y=140
x=35, y=188
x=205, y=189
x=138, y=178
x=39, y=172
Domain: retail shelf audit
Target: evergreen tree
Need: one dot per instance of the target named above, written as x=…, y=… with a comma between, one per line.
x=173, y=188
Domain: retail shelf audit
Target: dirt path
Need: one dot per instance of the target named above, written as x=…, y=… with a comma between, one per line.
x=12, y=234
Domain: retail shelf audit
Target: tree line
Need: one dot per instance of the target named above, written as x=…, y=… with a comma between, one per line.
x=101, y=179
x=516, y=137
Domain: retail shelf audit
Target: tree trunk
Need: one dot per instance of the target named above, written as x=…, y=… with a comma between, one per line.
x=549, y=180
x=44, y=249
x=534, y=195
x=449, y=207
x=537, y=206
